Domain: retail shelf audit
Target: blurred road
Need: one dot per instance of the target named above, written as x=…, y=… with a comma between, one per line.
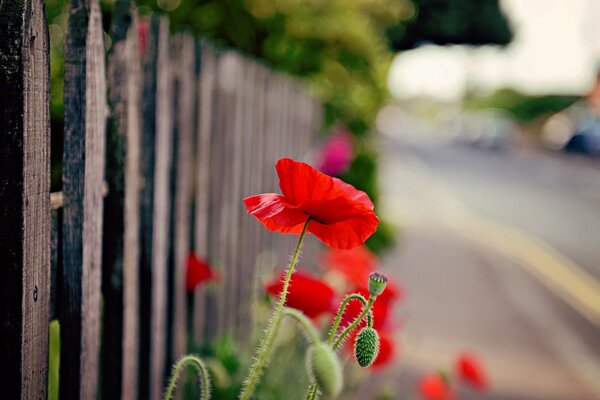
x=500, y=255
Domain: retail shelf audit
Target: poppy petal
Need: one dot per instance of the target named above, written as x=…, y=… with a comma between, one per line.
x=387, y=350
x=274, y=213
x=306, y=293
x=434, y=387
x=347, y=233
x=198, y=272
x=471, y=372
x=353, y=193
x=300, y=182
x=355, y=264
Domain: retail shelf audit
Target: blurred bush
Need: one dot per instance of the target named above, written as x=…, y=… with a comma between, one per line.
x=524, y=108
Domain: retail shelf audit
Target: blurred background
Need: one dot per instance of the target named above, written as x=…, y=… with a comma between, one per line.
x=474, y=125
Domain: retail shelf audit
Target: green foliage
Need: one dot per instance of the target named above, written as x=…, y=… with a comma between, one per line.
x=53, y=360
x=524, y=108
x=474, y=22
x=362, y=174
x=338, y=47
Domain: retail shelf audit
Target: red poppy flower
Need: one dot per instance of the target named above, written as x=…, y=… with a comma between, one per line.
x=387, y=350
x=198, y=271
x=306, y=293
x=355, y=264
x=434, y=387
x=341, y=216
x=471, y=372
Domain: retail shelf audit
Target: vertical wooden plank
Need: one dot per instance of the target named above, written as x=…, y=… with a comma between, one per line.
x=206, y=90
x=24, y=199
x=183, y=66
x=246, y=253
x=155, y=200
x=83, y=170
x=121, y=218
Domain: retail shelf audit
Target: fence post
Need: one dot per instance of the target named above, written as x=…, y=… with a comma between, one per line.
x=121, y=244
x=155, y=207
x=83, y=173
x=183, y=64
x=24, y=199
x=206, y=91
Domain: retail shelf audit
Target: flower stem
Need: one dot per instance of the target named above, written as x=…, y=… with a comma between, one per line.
x=307, y=326
x=266, y=343
x=340, y=313
x=350, y=327
x=312, y=393
x=203, y=376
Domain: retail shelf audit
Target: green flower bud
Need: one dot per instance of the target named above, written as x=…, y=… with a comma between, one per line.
x=377, y=283
x=366, y=347
x=324, y=368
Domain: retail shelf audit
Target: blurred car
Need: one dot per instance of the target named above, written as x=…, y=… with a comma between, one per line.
x=576, y=130
x=585, y=141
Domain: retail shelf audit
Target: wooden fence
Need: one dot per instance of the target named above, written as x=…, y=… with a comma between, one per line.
x=160, y=146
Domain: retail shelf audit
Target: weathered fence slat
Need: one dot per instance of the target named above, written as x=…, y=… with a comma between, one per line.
x=83, y=170
x=202, y=197
x=183, y=66
x=24, y=199
x=121, y=219
x=156, y=203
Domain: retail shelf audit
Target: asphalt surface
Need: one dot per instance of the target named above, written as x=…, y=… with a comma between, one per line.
x=499, y=255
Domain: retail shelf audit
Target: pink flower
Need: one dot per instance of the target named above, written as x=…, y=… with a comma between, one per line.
x=336, y=154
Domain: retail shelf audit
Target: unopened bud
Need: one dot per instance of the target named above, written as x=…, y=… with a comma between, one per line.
x=377, y=283
x=324, y=368
x=366, y=347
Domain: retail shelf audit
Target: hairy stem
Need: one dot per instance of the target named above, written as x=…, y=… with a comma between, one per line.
x=312, y=393
x=340, y=313
x=307, y=326
x=203, y=376
x=266, y=343
x=350, y=327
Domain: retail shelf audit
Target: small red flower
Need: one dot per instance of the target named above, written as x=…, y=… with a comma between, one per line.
x=434, y=387
x=387, y=350
x=355, y=264
x=306, y=293
x=198, y=271
x=341, y=216
x=336, y=154
x=471, y=372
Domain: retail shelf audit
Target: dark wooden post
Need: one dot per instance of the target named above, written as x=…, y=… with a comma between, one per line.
x=183, y=66
x=83, y=173
x=122, y=215
x=202, y=195
x=24, y=199
x=155, y=210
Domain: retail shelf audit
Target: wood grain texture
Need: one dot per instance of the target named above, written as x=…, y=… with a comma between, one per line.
x=121, y=218
x=205, y=109
x=183, y=67
x=24, y=199
x=83, y=173
x=156, y=203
